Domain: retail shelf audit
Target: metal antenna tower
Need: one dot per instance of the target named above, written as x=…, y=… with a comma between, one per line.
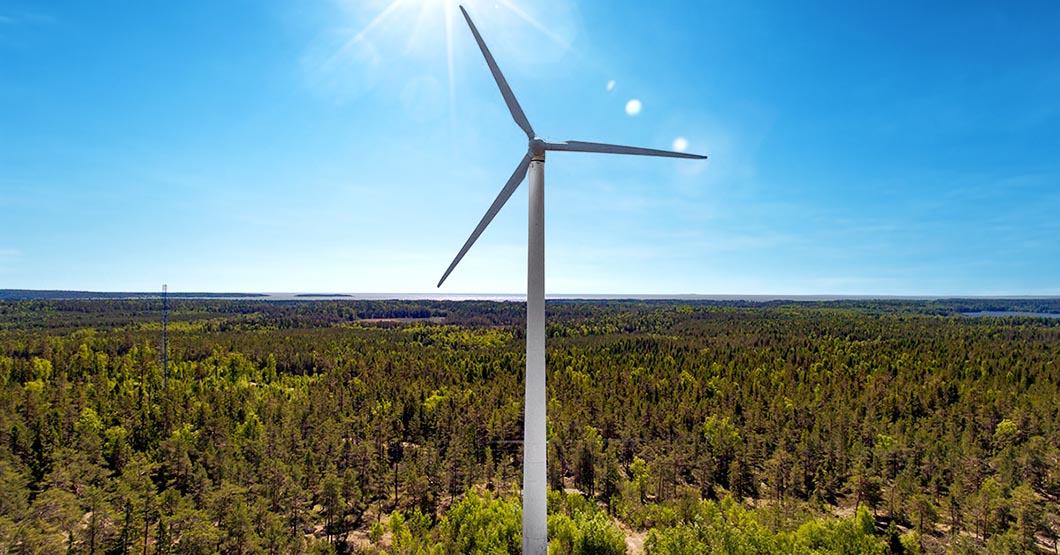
x=165, y=336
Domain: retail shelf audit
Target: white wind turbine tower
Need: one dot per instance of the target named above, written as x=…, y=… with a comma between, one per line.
x=535, y=523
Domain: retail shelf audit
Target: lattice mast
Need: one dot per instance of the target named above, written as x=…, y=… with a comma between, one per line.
x=165, y=336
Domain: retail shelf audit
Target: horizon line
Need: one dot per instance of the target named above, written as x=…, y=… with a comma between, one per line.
x=78, y=294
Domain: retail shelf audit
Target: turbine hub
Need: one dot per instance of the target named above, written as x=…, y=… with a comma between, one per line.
x=537, y=149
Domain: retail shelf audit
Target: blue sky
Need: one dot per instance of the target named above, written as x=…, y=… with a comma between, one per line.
x=856, y=147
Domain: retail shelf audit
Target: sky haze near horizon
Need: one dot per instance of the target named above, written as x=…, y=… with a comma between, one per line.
x=867, y=148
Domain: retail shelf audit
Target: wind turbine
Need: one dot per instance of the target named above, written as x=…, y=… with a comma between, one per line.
x=535, y=519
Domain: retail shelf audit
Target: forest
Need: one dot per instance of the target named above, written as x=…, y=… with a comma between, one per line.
x=334, y=427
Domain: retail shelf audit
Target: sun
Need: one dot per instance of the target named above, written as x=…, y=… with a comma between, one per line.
x=413, y=21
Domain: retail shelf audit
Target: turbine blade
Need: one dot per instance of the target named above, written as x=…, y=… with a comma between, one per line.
x=581, y=146
x=506, y=91
x=506, y=192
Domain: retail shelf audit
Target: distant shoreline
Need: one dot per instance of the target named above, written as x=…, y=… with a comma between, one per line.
x=60, y=295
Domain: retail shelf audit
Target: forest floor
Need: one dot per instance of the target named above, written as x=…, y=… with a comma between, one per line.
x=634, y=539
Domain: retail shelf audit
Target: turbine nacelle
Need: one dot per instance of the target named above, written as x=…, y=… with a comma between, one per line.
x=537, y=149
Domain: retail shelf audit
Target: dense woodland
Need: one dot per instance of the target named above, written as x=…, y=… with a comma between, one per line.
x=874, y=427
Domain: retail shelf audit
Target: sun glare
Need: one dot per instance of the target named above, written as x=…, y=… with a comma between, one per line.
x=424, y=27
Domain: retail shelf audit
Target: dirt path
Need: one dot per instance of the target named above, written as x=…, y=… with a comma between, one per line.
x=634, y=539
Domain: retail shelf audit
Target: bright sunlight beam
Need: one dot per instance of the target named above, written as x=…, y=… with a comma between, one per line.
x=345, y=48
x=420, y=26
x=449, y=61
x=533, y=23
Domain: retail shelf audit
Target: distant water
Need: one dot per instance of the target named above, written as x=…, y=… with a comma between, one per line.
x=389, y=297
x=1006, y=313
x=24, y=294
x=592, y=297
x=519, y=297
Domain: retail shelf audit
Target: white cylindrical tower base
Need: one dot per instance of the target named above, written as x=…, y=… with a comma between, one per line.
x=535, y=499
